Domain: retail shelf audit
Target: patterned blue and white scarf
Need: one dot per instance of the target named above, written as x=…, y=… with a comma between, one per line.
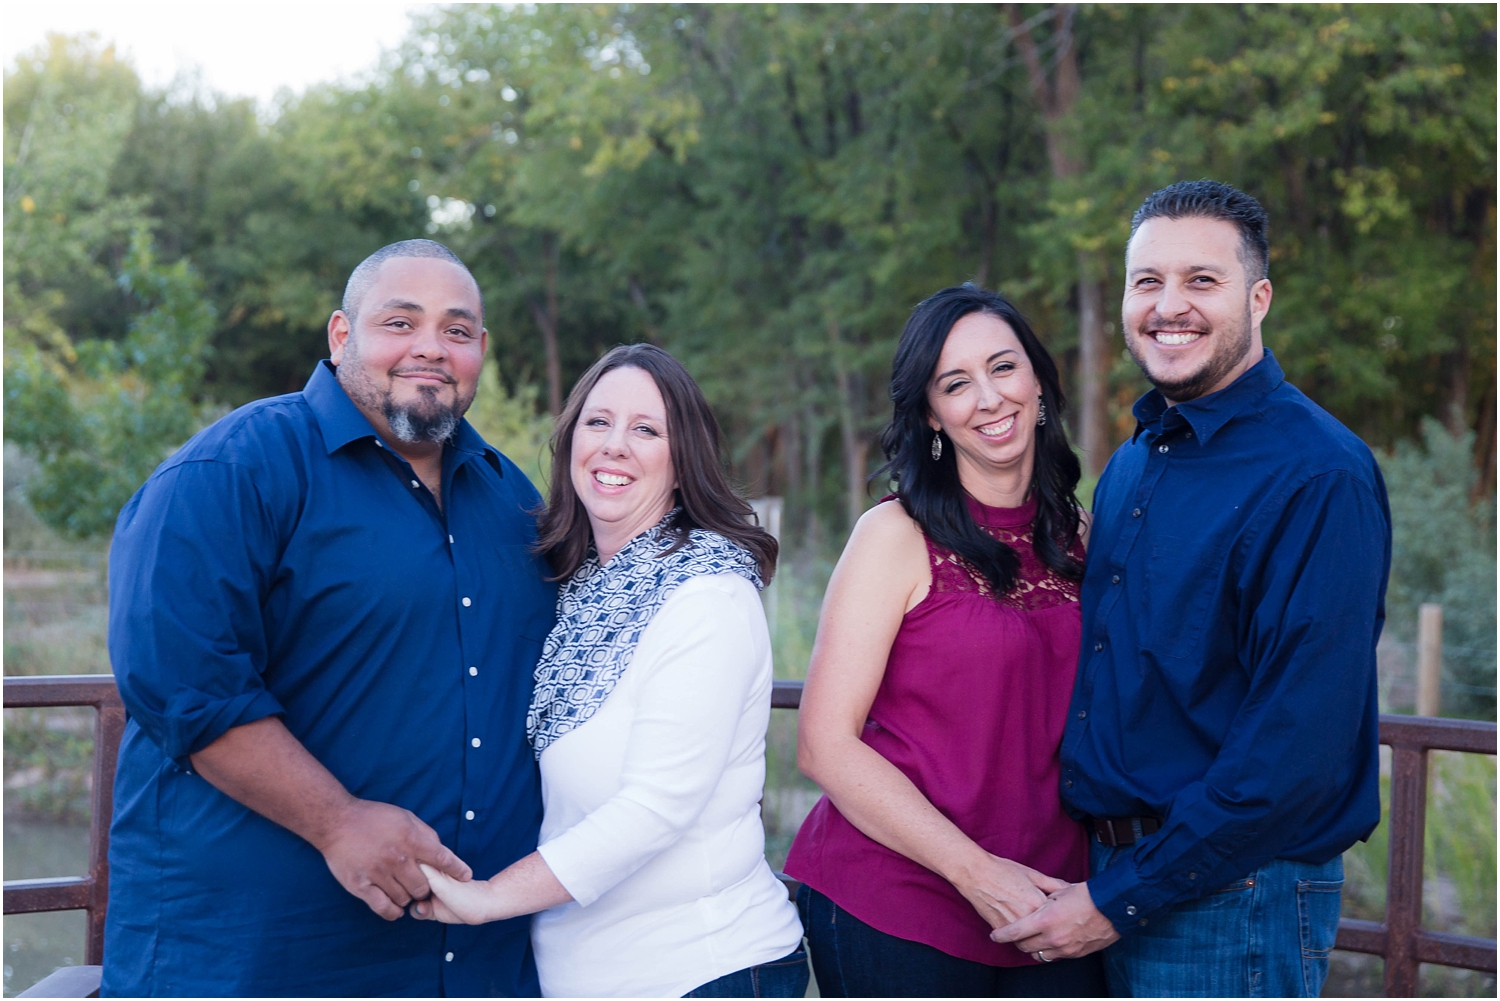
x=601, y=613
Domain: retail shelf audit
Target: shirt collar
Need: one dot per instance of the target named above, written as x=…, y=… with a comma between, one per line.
x=1207, y=414
x=341, y=422
x=338, y=418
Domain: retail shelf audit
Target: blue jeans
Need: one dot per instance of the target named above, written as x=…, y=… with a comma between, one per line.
x=1267, y=935
x=853, y=960
x=785, y=978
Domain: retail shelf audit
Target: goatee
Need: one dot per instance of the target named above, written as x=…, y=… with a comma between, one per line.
x=435, y=423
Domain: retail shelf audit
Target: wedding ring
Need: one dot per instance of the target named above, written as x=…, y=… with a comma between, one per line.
x=1042, y=956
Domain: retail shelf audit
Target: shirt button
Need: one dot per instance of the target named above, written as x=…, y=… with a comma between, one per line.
x=473, y=672
x=1136, y=513
x=448, y=958
x=1192, y=876
x=1083, y=714
x=1188, y=434
x=1098, y=647
x=379, y=443
x=415, y=484
x=1142, y=922
x=1163, y=449
x=1068, y=784
x=467, y=602
x=1130, y=910
x=469, y=815
x=475, y=742
x=1115, y=579
x=450, y=540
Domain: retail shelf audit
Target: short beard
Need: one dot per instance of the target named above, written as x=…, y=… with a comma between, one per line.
x=1229, y=353
x=414, y=426
x=412, y=423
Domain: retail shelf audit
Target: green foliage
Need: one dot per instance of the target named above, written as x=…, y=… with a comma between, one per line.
x=49, y=756
x=510, y=422
x=767, y=190
x=1460, y=840
x=101, y=415
x=1443, y=551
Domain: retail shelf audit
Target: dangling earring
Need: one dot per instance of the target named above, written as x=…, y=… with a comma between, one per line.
x=937, y=446
x=1041, y=412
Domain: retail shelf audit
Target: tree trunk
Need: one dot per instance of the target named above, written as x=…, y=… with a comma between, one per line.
x=638, y=296
x=552, y=250
x=1056, y=97
x=791, y=456
x=1092, y=422
x=545, y=313
x=1456, y=378
x=853, y=438
x=813, y=465
x=1484, y=445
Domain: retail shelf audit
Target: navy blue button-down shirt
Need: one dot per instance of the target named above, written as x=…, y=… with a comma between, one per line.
x=286, y=562
x=1234, y=594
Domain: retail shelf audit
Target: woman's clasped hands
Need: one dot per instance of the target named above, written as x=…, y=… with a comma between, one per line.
x=454, y=902
x=1003, y=891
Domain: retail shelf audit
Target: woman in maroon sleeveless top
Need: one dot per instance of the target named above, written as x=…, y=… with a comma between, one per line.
x=941, y=676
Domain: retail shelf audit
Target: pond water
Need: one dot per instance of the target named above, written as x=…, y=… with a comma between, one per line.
x=37, y=944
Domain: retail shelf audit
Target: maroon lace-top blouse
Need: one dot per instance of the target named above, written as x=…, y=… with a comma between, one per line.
x=971, y=709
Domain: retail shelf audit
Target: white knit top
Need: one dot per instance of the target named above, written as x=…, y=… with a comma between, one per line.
x=652, y=816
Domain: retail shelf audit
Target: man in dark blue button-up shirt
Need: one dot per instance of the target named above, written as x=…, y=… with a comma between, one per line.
x=1222, y=739
x=324, y=617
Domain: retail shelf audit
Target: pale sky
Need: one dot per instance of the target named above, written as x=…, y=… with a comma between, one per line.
x=242, y=49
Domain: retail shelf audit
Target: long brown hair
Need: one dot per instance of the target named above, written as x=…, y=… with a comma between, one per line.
x=703, y=490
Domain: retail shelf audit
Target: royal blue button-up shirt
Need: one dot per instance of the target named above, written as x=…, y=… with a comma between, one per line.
x=1234, y=594
x=287, y=562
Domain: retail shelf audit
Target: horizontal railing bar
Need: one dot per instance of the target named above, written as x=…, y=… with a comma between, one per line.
x=1438, y=733
x=1362, y=936
x=54, y=893
x=1434, y=733
x=67, y=982
x=1416, y=732
x=48, y=690
x=1447, y=949
x=786, y=694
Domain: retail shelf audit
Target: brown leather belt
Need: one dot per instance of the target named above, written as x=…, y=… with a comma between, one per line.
x=1117, y=831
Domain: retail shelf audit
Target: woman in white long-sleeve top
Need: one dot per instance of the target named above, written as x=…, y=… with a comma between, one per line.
x=650, y=712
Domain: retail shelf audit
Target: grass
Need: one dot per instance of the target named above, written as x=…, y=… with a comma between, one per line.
x=1458, y=877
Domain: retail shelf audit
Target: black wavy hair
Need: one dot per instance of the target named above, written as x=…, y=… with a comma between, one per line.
x=930, y=490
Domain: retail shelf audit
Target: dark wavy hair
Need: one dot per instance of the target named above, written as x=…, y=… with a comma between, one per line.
x=1212, y=200
x=693, y=438
x=930, y=490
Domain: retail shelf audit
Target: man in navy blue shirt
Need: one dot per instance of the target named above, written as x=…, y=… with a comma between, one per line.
x=1222, y=741
x=324, y=618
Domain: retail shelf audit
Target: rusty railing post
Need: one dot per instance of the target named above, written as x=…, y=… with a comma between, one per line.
x=1403, y=905
x=109, y=727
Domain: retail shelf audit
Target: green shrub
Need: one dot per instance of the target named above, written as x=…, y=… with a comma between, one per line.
x=1444, y=552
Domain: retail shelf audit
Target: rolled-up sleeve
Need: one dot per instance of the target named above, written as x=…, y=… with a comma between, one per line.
x=1311, y=600
x=191, y=560
x=691, y=697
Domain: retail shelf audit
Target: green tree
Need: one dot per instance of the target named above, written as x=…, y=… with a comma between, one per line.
x=101, y=424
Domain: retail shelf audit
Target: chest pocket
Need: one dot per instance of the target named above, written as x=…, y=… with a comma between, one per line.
x=1183, y=581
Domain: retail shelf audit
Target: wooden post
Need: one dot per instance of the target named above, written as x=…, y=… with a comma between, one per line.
x=109, y=728
x=1429, y=660
x=1403, y=902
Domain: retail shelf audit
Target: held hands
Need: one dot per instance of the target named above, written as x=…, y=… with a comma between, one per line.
x=1065, y=927
x=1003, y=891
x=376, y=851
x=469, y=902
